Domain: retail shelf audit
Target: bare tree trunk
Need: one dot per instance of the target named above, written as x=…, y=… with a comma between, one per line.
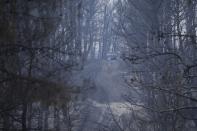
x=24, y=116
x=40, y=120
x=56, y=119
x=29, y=119
x=46, y=115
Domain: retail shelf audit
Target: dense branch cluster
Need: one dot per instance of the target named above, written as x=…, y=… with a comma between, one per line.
x=44, y=43
x=161, y=50
x=41, y=43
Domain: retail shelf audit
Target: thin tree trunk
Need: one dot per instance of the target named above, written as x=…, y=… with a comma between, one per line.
x=24, y=117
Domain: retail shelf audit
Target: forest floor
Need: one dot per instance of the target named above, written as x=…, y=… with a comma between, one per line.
x=105, y=101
